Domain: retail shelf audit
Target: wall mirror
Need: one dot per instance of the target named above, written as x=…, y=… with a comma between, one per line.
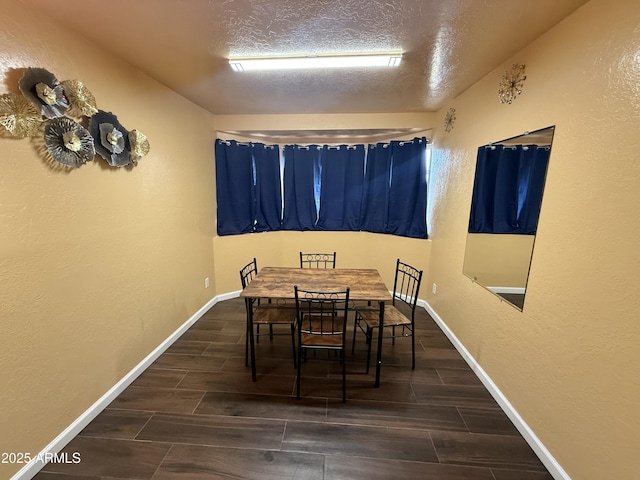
x=505, y=207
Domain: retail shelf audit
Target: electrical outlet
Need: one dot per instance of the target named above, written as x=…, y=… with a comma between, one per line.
x=433, y=288
x=206, y=282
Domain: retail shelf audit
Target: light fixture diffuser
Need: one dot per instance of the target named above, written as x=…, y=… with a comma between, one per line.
x=322, y=61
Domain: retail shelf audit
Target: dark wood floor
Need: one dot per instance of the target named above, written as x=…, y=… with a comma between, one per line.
x=196, y=414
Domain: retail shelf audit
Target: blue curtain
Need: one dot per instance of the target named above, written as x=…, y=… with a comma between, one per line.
x=234, y=187
x=532, y=179
x=341, y=182
x=375, y=200
x=247, y=187
x=301, y=180
x=408, y=189
x=507, y=189
x=395, y=190
x=325, y=188
x=268, y=212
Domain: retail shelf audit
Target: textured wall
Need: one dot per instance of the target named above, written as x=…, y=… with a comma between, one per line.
x=97, y=265
x=569, y=362
x=354, y=250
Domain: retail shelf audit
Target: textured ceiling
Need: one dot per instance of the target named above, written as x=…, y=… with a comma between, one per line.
x=449, y=45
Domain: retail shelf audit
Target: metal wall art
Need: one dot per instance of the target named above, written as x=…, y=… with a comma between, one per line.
x=68, y=142
x=449, y=119
x=66, y=115
x=511, y=84
x=44, y=90
x=81, y=100
x=18, y=115
x=112, y=139
x=139, y=145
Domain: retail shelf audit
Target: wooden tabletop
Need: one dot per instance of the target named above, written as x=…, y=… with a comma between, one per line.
x=278, y=282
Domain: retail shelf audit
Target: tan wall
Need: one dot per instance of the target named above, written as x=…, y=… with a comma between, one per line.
x=498, y=260
x=353, y=250
x=569, y=362
x=97, y=265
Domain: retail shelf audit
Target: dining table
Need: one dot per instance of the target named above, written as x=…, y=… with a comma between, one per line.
x=277, y=284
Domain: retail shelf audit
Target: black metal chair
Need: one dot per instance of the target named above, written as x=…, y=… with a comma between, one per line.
x=265, y=314
x=318, y=260
x=247, y=273
x=321, y=324
x=405, y=292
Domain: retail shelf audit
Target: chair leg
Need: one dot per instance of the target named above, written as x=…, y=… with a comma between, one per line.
x=393, y=335
x=355, y=328
x=344, y=378
x=257, y=333
x=270, y=332
x=413, y=350
x=246, y=346
x=293, y=344
x=369, y=335
x=298, y=373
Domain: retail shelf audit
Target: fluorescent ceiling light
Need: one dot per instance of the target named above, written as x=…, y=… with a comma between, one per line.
x=337, y=61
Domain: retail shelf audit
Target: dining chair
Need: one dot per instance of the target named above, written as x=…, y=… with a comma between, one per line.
x=318, y=260
x=321, y=325
x=247, y=273
x=405, y=295
x=265, y=313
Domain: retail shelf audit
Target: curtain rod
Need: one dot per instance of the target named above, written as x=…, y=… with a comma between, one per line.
x=551, y=128
x=524, y=146
x=353, y=146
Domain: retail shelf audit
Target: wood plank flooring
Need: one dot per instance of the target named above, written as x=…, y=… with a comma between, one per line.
x=195, y=414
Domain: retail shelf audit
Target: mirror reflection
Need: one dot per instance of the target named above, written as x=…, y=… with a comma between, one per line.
x=505, y=207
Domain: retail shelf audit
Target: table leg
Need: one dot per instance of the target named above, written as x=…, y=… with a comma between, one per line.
x=252, y=349
x=379, y=353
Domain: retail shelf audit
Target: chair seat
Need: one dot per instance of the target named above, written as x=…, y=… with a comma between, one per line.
x=392, y=317
x=274, y=316
x=324, y=341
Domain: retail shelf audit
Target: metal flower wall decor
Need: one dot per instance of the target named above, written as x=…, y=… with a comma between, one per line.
x=511, y=84
x=66, y=115
x=449, y=119
x=112, y=139
x=68, y=142
x=44, y=90
x=18, y=115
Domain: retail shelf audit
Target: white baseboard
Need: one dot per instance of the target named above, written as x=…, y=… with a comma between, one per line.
x=228, y=296
x=516, y=290
x=555, y=469
x=57, y=444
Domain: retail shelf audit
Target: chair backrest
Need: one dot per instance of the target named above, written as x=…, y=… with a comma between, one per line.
x=322, y=317
x=318, y=260
x=406, y=284
x=247, y=273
